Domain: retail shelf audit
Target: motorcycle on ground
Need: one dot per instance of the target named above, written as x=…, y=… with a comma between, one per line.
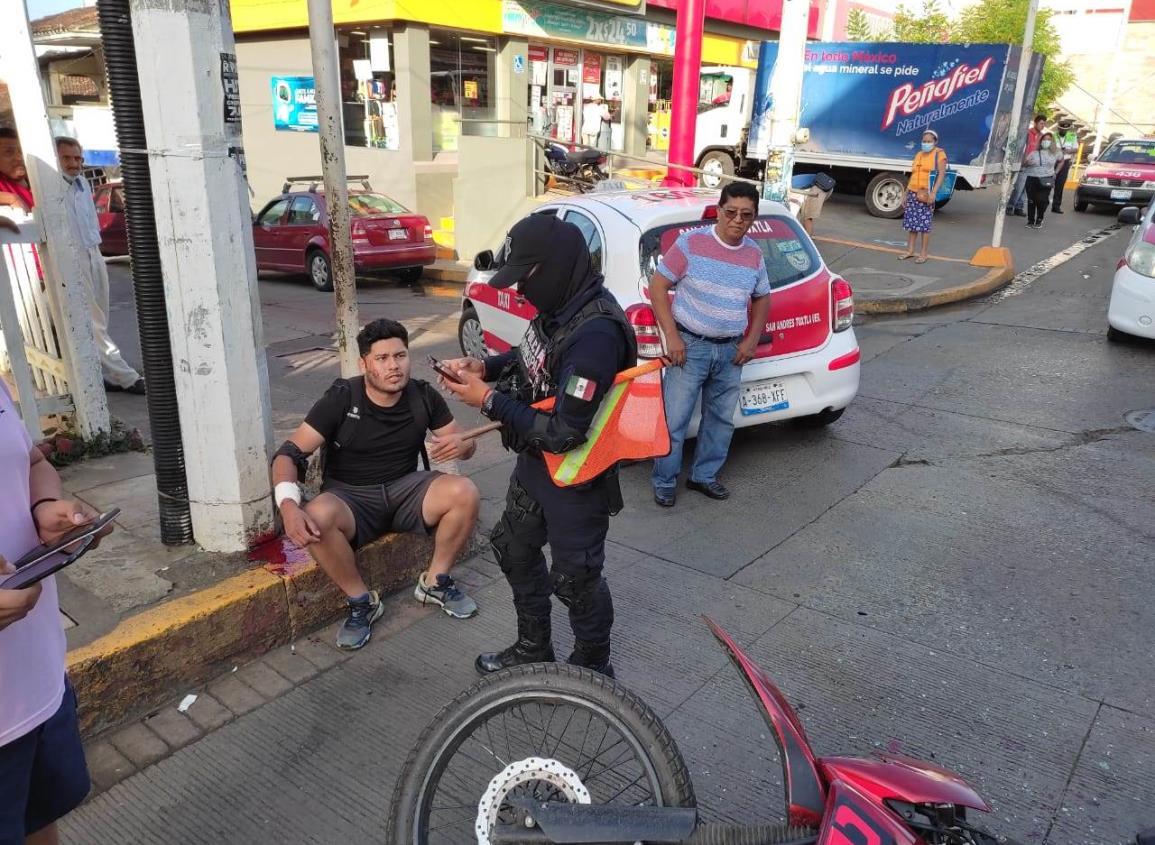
x=580, y=168
x=549, y=753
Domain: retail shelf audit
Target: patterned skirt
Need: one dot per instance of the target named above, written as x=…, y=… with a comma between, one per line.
x=916, y=217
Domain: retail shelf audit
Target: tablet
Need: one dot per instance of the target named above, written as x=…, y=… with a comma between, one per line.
x=48, y=558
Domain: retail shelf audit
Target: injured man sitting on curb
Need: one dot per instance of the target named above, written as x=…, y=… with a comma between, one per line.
x=373, y=428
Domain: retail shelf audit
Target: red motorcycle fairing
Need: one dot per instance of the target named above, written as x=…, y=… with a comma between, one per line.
x=902, y=778
x=854, y=818
x=804, y=787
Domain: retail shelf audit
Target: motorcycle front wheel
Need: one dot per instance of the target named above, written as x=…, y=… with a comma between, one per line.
x=543, y=732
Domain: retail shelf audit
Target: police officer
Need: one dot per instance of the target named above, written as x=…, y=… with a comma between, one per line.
x=572, y=350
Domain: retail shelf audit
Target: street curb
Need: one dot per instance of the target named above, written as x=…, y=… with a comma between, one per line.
x=992, y=280
x=189, y=639
x=452, y=272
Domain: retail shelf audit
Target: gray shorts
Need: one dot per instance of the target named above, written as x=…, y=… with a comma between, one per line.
x=381, y=508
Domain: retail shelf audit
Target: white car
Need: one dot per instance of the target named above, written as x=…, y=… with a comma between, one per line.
x=1132, y=308
x=808, y=363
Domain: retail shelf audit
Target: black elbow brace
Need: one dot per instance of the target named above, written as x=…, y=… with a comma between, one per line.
x=293, y=452
x=551, y=434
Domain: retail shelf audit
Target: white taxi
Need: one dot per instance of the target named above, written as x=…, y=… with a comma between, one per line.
x=807, y=366
x=1132, y=308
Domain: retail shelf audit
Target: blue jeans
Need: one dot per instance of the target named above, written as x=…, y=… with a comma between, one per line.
x=711, y=375
x=1018, y=201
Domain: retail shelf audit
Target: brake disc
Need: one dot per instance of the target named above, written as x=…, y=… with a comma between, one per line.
x=530, y=770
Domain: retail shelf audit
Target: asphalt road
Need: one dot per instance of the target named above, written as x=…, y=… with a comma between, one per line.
x=960, y=568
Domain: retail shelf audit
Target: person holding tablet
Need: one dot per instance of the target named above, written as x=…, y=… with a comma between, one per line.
x=43, y=775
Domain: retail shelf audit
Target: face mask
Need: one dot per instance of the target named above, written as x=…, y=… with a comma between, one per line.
x=1046, y=145
x=927, y=146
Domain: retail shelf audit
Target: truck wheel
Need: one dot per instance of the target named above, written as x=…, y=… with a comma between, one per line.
x=717, y=166
x=884, y=195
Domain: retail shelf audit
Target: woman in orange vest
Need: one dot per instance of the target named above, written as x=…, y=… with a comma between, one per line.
x=918, y=207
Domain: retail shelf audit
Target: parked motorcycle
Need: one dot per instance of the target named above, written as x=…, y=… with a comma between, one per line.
x=549, y=753
x=581, y=168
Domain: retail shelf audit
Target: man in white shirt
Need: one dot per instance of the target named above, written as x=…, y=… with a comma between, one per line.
x=118, y=375
x=593, y=115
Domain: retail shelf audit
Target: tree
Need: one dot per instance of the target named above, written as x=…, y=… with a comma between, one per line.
x=930, y=25
x=858, y=26
x=1004, y=22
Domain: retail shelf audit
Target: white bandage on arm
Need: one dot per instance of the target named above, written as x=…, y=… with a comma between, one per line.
x=286, y=490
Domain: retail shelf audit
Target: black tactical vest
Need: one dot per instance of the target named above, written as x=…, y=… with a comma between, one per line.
x=533, y=375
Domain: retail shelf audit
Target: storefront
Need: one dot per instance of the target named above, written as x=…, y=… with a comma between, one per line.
x=576, y=95
x=415, y=76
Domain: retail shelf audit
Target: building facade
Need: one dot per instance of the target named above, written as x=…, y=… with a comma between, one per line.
x=416, y=74
x=1102, y=39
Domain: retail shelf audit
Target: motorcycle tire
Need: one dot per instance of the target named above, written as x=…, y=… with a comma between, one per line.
x=541, y=685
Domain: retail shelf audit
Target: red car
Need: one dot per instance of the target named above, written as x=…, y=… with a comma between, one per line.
x=109, y=199
x=292, y=233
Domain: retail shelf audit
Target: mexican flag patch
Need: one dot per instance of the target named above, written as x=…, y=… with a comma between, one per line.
x=581, y=388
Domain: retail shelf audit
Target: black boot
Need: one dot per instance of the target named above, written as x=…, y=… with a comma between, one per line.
x=533, y=646
x=595, y=656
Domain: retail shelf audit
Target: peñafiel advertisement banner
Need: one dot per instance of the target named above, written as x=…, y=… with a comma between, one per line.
x=876, y=99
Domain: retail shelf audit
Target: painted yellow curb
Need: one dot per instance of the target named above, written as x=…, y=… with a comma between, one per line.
x=185, y=640
x=180, y=643
x=999, y=260
x=990, y=281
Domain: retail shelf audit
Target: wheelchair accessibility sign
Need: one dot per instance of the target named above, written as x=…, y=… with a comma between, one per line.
x=519, y=63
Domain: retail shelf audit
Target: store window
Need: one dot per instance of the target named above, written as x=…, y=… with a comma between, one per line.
x=368, y=87
x=462, y=68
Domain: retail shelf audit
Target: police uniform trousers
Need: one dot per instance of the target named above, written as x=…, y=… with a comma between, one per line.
x=574, y=521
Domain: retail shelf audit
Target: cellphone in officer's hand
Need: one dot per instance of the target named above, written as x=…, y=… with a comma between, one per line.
x=444, y=371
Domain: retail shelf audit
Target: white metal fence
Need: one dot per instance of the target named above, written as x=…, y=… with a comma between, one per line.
x=30, y=352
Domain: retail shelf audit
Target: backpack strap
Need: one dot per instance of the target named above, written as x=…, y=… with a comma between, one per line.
x=415, y=392
x=348, y=425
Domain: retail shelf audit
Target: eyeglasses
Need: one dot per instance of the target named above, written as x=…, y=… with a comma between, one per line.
x=738, y=214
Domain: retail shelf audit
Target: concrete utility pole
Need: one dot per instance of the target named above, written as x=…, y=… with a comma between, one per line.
x=60, y=258
x=786, y=94
x=327, y=84
x=1013, y=149
x=186, y=62
x=684, y=95
x=1112, y=80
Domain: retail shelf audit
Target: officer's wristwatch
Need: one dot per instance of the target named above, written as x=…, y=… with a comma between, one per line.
x=487, y=404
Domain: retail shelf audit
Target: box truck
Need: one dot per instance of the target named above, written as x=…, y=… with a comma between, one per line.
x=866, y=106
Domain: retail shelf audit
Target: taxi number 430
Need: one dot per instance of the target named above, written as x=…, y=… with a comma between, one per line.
x=763, y=397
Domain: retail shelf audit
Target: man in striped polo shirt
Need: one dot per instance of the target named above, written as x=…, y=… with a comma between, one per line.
x=716, y=272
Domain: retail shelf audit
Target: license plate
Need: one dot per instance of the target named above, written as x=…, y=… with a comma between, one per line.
x=763, y=397
x=398, y=234
x=1120, y=195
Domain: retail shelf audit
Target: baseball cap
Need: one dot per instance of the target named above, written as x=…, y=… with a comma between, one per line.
x=534, y=240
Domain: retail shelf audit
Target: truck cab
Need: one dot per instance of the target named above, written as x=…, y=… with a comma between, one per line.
x=725, y=97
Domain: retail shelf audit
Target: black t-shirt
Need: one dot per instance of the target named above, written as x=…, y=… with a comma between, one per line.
x=386, y=442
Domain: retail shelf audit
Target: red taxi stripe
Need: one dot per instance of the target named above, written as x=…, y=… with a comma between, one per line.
x=848, y=360
x=495, y=343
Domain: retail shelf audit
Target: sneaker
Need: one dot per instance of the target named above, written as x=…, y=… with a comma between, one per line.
x=356, y=629
x=446, y=596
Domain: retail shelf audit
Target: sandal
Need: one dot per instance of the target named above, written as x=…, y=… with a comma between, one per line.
x=905, y=256
x=920, y=260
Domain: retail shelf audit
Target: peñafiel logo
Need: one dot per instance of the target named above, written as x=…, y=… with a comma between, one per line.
x=906, y=99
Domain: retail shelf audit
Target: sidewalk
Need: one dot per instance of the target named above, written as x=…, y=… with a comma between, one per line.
x=143, y=619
